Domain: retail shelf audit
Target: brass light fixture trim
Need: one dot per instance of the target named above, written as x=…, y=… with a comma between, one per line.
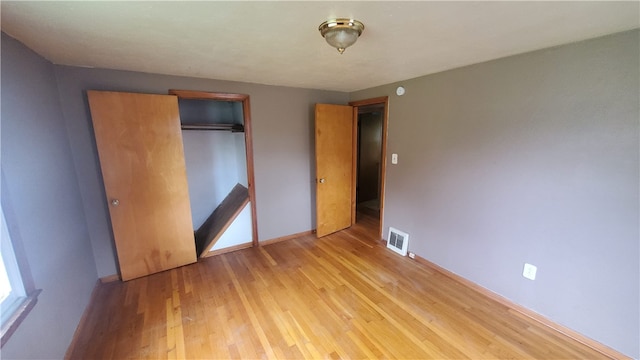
x=341, y=33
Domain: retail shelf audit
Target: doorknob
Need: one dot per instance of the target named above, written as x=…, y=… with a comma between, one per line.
x=115, y=202
x=322, y=181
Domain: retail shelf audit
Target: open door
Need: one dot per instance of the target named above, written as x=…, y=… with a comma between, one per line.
x=334, y=167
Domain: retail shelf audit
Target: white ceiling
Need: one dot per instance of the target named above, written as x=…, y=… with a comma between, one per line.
x=278, y=43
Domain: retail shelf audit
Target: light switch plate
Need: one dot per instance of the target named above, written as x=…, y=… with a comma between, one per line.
x=394, y=158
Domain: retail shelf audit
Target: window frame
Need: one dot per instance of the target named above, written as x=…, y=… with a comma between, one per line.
x=27, y=302
x=11, y=273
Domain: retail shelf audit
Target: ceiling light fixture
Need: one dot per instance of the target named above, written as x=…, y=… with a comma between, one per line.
x=341, y=33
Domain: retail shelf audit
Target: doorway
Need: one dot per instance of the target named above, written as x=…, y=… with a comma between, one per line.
x=370, y=125
x=369, y=160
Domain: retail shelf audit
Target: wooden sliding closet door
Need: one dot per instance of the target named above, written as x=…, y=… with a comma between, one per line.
x=142, y=159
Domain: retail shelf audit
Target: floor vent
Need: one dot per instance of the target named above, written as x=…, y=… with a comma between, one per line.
x=398, y=241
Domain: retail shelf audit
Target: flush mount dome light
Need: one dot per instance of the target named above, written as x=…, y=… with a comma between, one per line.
x=341, y=33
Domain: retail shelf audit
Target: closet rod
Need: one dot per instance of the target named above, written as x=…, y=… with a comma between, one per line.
x=219, y=127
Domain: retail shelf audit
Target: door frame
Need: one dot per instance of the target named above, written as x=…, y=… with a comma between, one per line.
x=384, y=100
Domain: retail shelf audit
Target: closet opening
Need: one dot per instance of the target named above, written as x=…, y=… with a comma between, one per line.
x=216, y=132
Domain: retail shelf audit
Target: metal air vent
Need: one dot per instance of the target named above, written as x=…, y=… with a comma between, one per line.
x=398, y=241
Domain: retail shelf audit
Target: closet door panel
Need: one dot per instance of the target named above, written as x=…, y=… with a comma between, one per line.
x=139, y=143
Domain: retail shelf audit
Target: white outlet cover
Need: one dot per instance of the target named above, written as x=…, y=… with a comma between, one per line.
x=529, y=271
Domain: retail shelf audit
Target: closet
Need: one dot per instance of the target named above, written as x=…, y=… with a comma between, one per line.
x=216, y=130
x=171, y=164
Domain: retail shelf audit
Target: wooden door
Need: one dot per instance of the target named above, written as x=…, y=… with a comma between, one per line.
x=334, y=167
x=139, y=143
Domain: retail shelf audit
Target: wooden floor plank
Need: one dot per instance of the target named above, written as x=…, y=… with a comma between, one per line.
x=341, y=296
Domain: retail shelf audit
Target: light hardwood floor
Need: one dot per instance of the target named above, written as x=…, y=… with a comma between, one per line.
x=342, y=296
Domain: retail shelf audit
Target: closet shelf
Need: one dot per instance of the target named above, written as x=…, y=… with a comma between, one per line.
x=216, y=224
x=219, y=127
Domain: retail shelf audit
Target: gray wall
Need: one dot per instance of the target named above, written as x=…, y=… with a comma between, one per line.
x=531, y=158
x=282, y=122
x=41, y=183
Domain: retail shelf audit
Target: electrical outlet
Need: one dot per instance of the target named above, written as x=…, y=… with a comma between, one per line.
x=529, y=271
x=412, y=255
